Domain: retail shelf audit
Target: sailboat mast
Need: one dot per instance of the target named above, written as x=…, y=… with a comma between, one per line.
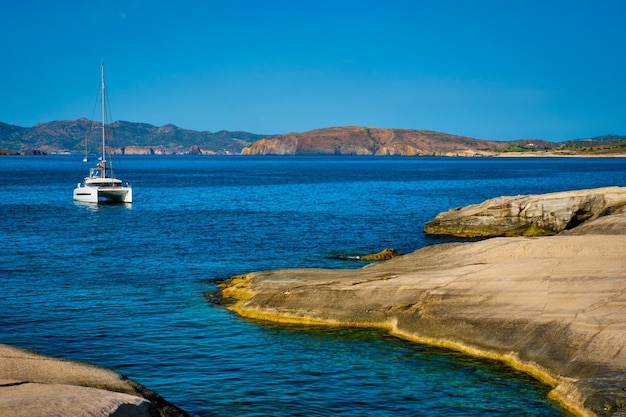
x=103, y=119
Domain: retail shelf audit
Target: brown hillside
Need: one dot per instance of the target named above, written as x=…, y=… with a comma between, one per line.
x=354, y=140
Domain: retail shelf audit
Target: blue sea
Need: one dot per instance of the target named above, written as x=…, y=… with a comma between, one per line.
x=124, y=286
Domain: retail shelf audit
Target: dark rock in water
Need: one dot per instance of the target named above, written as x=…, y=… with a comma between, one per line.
x=27, y=152
x=33, y=152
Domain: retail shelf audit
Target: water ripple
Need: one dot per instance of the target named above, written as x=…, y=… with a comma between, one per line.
x=123, y=286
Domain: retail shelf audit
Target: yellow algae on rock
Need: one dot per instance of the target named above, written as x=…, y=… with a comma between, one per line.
x=385, y=254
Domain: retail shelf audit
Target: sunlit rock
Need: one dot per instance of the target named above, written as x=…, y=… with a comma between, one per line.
x=528, y=215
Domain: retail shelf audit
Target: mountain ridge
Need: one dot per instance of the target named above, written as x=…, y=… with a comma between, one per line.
x=69, y=137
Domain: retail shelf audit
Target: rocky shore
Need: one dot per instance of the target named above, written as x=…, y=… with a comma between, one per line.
x=552, y=306
x=529, y=215
x=32, y=385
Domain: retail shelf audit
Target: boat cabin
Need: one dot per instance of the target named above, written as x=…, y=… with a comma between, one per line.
x=102, y=182
x=99, y=171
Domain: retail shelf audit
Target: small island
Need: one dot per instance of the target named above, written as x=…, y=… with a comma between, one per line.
x=552, y=306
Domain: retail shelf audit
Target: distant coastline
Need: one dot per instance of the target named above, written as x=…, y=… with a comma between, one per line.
x=158, y=152
x=129, y=138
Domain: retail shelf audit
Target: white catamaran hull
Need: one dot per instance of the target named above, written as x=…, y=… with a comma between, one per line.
x=98, y=194
x=101, y=185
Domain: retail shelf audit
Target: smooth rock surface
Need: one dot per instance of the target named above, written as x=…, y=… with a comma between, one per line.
x=21, y=398
x=554, y=307
x=32, y=385
x=528, y=215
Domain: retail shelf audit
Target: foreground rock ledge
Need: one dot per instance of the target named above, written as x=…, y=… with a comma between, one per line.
x=554, y=307
x=33, y=385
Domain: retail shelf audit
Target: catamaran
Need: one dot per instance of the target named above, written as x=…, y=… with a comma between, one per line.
x=101, y=185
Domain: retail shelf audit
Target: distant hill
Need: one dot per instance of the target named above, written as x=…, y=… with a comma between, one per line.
x=141, y=138
x=599, y=144
x=126, y=137
x=356, y=140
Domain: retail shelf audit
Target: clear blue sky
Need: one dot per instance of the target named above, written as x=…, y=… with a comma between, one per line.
x=500, y=70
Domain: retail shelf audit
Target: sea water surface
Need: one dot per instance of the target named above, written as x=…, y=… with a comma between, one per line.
x=123, y=286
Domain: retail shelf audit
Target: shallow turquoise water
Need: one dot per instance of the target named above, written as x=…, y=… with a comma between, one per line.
x=123, y=286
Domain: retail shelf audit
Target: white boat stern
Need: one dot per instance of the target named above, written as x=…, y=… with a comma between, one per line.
x=103, y=194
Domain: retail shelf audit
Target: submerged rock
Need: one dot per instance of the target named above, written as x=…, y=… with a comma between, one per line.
x=529, y=215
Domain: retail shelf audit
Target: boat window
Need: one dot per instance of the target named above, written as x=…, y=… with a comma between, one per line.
x=101, y=184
